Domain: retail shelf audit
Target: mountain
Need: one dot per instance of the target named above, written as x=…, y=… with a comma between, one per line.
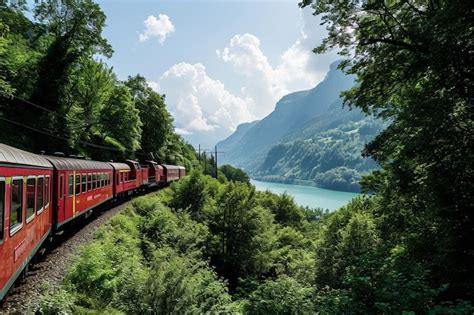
x=310, y=138
x=237, y=136
x=290, y=114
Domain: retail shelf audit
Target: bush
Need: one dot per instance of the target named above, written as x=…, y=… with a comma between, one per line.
x=281, y=296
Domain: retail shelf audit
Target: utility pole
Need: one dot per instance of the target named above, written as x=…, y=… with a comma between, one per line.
x=199, y=154
x=215, y=157
x=213, y=154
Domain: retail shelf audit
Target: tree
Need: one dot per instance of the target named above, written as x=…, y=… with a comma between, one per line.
x=413, y=65
x=156, y=120
x=73, y=28
x=121, y=121
x=242, y=234
x=281, y=296
x=234, y=174
x=191, y=194
x=89, y=89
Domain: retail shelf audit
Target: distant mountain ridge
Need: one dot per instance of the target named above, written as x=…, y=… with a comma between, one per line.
x=309, y=139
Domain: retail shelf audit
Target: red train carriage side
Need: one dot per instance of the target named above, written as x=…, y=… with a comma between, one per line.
x=171, y=173
x=25, y=210
x=135, y=172
x=79, y=186
x=155, y=173
x=182, y=171
x=123, y=182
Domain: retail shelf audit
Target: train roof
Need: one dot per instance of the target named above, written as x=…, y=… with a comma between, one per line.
x=65, y=163
x=170, y=167
x=181, y=167
x=120, y=166
x=11, y=155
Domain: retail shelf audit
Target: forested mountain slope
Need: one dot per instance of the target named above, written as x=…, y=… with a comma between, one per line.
x=290, y=114
x=308, y=139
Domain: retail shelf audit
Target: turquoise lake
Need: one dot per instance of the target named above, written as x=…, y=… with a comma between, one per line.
x=307, y=195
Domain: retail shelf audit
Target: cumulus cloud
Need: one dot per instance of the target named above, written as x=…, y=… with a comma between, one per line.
x=298, y=68
x=202, y=107
x=159, y=27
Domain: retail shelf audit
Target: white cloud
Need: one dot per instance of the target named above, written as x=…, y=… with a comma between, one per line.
x=299, y=68
x=159, y=27
x=154, y=85
x=182, y=132
x=201, y=106
x=261, y=83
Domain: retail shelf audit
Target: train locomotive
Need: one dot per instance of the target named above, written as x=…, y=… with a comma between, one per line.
x=41, y=194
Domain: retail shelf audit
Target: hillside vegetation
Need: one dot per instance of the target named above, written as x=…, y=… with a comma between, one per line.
x=205, y=246
x=200, y=246
x=327, y=157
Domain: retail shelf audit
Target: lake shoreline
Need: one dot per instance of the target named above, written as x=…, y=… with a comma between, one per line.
x=310, y=196
x=298, y=182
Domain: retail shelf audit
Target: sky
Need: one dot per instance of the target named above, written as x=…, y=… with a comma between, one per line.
x=220, y=63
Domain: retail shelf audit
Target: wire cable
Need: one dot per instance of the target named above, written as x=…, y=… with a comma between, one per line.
x=58, y=137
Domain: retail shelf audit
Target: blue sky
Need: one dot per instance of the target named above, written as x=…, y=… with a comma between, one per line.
x=220, y=63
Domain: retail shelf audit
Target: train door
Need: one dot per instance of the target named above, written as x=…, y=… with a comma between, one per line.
x=60, y=214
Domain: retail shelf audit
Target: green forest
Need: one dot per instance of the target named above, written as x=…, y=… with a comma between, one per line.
x=328, y=159
x=216, y=245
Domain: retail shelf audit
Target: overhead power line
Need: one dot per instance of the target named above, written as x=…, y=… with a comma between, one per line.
x=59, y=137
x=45, y=109
x=56, y=136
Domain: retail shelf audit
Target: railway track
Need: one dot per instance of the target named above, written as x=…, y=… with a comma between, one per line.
x=49, y=268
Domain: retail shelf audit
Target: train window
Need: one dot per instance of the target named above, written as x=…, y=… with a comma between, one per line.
x=61, y=187
x=16, y=205
x=89, y=182
x=30, y=198
x=2, y=206
x=118, y=178
x=78, y=184
x=47, y=192
x=70, y=185
x=108, y=179
x=94, y=181
x=104, y=182
x=99, y=180
x=84, y=183
x=40, y=195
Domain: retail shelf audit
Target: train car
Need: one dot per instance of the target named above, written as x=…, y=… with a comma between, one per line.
x=123, y=183
x=137, y=173
x=25, y=210
x=182, y=171
x=79, y=186
x=171, y=173
x=155, y=173
x=145, y=179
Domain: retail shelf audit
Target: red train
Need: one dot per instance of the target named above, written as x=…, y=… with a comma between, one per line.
x=40, y=194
